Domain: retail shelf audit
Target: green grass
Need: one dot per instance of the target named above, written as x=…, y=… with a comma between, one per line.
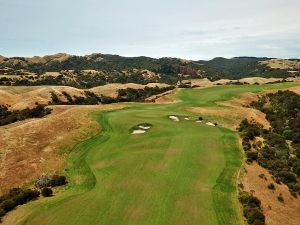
x=176, y=173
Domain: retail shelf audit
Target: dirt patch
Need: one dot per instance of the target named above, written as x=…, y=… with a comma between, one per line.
x=276, y=212
x=32, y=147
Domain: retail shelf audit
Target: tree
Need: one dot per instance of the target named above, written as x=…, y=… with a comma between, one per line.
x=47, y=192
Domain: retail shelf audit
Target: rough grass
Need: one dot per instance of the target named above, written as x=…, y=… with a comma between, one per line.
x=176, y=173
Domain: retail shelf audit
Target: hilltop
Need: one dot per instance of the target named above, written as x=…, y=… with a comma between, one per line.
x=99, y=69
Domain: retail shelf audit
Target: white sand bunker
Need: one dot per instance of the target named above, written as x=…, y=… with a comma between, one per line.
x=210, y=124
x=186, y=118
x=174, y=118
x=199, y=121
x=138, y=132
x=144, y=127
x=141, y=128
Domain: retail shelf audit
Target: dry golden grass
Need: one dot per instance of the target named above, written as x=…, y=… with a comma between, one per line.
x=111, y=90
x=250, y=80
x=259, y=80
x=27, y=151
x=276, y=212
x=281, y=64
x=22, y=97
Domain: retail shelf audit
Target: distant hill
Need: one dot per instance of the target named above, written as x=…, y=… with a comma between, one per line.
x=100, y=69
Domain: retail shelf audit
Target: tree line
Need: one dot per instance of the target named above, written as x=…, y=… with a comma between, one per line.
x=10, y=116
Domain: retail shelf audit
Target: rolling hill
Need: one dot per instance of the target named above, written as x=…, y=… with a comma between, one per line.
x=99, y=69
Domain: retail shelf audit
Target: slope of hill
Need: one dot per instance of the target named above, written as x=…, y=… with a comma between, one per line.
x=177, y=172
x=18, y=98
x=100, y=69
x=240, y=67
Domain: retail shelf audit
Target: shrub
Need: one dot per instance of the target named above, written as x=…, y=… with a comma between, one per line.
x=287, y=177
x=47, y=192
x=252, y=210
x=271, y=186
x=280, y=198
x=288, y=134
x=2, y=213
x=43, y=181
x=251, y=155
x=8, y=205
x=58, y=181
x=249, y=200
x=15, y=197
x=294, y=194
x=254, y=216
x=7, y=116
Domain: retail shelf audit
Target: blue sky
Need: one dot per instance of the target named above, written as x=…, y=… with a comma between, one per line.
x=192, y=29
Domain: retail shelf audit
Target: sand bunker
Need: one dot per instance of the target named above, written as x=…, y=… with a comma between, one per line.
x=144, y=127
x=174, y=118
x=210, y=124
x=141, y=128
x=186, y=118
x=138, y=131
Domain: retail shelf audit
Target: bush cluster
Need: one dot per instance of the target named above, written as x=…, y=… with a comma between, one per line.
x=124, y=95
x=53, y=181
x=15, y=197
x=280, y=151
x=47, y=192
x=7, y=116
x=252, y=209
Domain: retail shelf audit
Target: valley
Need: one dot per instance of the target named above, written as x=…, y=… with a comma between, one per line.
x=178, y=172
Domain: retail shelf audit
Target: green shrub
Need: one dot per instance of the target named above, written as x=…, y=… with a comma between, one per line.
x=288, y=134
x=249, y=200
x=271, y=186
x=251, y=155
x=280, y=198
x=287, y=177
x=2, y=213
x=8, y=205
x=251, y=209
x=254, y=216
x=58, y=181
x=47, y=192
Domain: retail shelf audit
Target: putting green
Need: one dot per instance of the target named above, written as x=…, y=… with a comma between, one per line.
x=176, y=173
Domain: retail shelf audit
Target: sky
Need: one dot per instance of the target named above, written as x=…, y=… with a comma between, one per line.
x=190, y=29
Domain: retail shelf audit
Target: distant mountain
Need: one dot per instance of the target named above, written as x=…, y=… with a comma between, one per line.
x=99, y=69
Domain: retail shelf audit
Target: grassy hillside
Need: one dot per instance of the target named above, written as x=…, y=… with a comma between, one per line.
x=176, y=173
x=100, y=69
